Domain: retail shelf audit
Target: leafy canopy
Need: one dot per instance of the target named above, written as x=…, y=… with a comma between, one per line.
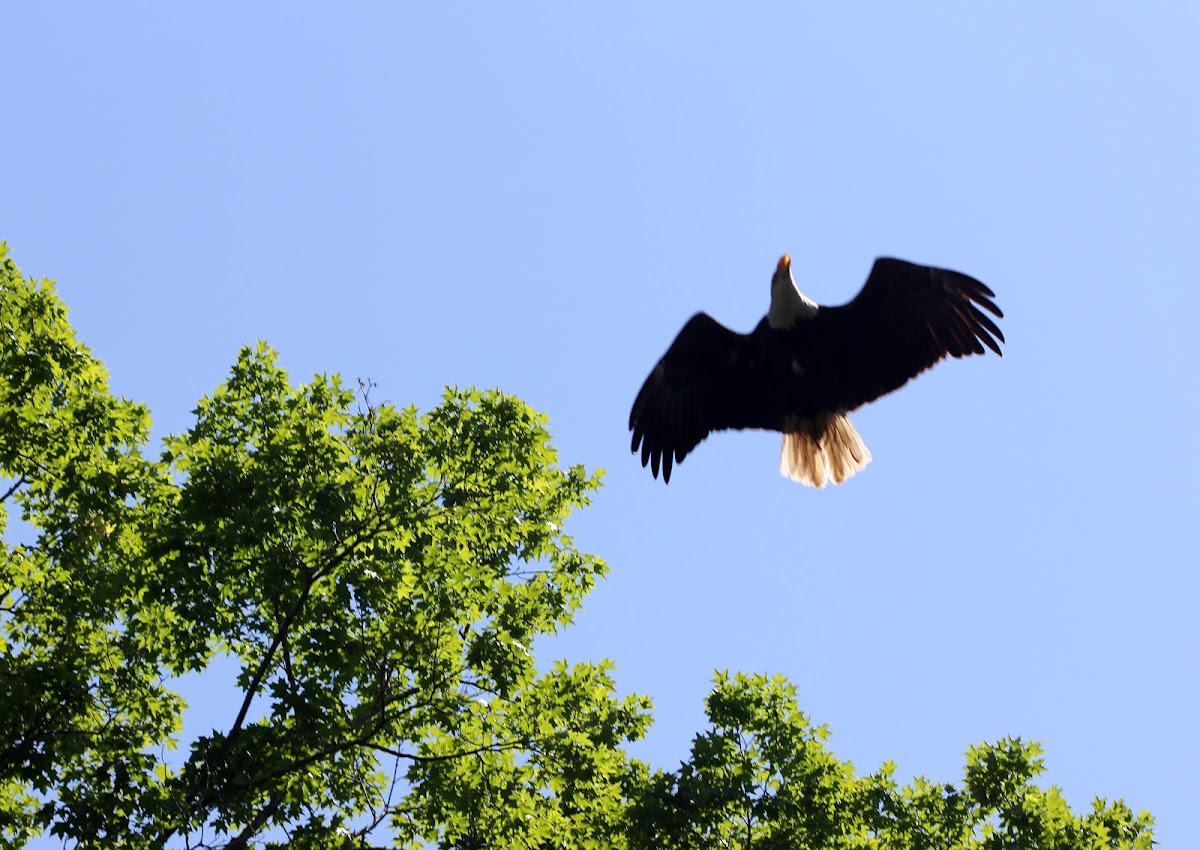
x=379, y=577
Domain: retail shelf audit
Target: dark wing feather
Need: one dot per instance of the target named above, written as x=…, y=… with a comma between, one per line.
x=704, y=383
x=906, y=318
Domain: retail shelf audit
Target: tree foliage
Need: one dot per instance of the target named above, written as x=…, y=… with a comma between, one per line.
x=761, y=777
x=379, y=576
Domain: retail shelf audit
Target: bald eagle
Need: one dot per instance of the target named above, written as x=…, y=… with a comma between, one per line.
x=805, y=366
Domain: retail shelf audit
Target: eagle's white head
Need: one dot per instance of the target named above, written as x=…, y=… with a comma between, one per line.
x=788, y=303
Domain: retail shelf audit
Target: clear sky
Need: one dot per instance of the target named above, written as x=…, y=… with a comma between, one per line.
x=535, y=197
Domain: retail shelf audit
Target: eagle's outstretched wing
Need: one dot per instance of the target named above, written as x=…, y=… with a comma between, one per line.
x=702, y=384
x=905, y=319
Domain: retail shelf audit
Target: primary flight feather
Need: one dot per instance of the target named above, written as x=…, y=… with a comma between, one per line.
x=805, y=366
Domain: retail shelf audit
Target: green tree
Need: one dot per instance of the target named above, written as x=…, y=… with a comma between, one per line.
x=78, y=696
x=379, y=576
x=761, y=777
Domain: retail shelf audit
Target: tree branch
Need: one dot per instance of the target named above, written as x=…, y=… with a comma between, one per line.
x=243, y=838
x=20, y=482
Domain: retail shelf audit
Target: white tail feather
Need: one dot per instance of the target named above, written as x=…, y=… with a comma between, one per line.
x=827, y=448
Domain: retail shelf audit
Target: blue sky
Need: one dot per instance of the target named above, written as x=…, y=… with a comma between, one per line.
x=536, y=197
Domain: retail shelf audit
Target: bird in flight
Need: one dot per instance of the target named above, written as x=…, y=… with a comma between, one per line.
x=805, y=366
